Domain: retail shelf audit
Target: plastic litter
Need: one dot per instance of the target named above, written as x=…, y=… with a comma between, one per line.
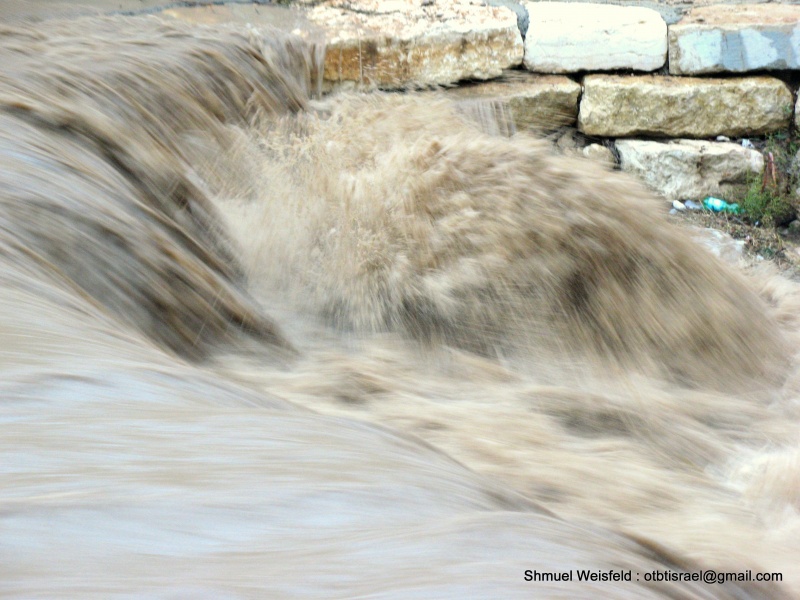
x=692, y=205
x=678, y=205
x=748, y=144
x=720, y=205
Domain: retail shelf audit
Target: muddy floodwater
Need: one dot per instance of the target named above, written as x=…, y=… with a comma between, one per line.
x=256, y=343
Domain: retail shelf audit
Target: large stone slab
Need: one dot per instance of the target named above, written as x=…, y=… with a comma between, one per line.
x=735, y=39
x=539, y=102
x=416, y=43
x=616, y=106
x=566, y=38
x=690, y=169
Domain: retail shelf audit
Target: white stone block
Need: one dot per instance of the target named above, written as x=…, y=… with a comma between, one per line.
x=570, y=37
x=690, y=169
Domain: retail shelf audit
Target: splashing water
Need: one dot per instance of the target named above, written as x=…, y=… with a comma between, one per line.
x=258, y=345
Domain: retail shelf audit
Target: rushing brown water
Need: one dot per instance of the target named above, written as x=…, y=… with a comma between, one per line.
x=254, y=345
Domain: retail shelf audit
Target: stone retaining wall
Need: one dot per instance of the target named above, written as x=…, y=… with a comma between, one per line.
x=610, y=71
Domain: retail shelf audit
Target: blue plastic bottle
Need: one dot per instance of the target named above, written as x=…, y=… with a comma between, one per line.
x=719, y=205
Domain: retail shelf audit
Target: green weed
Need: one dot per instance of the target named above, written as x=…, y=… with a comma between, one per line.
x=766, y=203
x=768, y=198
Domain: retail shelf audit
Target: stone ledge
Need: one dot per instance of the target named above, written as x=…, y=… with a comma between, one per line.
x=617, y=106
x=735, y=39
x=561, y=39
x=538, y=102
x=415, y=44
x=690, y=169
x=565, y=38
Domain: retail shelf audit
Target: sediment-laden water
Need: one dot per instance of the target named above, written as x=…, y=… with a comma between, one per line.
x=259, y=345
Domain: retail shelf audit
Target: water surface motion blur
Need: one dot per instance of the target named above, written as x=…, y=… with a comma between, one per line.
x=255, y=344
